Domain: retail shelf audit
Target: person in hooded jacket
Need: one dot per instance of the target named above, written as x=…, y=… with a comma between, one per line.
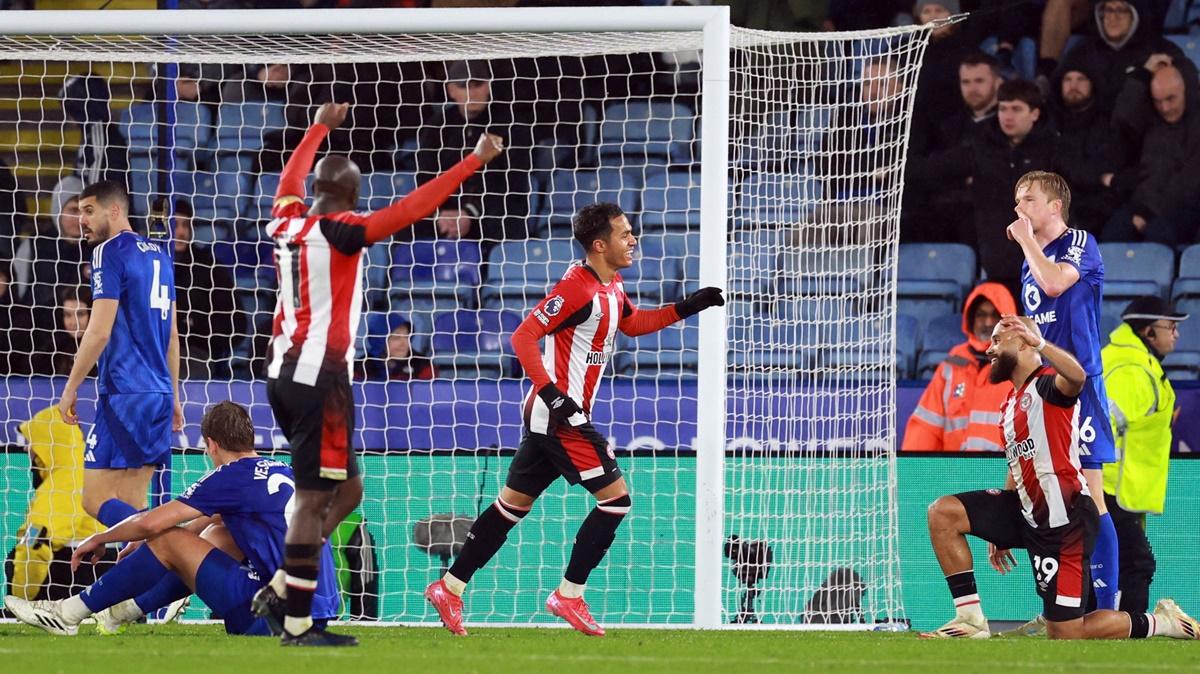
x=959, y=409
x=1087, y=144
x=1126, y=37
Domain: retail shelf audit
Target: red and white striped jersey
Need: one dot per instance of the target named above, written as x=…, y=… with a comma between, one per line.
x=1040, y=426
x=578, y=321
x=318, y=260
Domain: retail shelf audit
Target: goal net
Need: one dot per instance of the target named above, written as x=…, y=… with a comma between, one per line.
x=779, y=431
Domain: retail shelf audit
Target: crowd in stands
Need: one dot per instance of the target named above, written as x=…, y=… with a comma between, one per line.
x=1098, y=90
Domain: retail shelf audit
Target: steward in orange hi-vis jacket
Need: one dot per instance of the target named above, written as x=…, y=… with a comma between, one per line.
x=960, y=409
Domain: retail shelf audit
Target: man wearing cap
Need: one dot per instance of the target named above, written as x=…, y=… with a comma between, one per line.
x=1142, y=406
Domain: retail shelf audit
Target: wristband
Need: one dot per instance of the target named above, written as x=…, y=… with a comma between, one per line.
x=1040, y=345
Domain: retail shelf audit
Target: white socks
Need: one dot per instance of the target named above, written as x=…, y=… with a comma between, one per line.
x=296, y=626
x=456, y=586
x=570, y=590
x=74, y=610
x=968, y=608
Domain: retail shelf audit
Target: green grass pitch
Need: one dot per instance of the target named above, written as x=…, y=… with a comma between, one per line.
x=162, y=649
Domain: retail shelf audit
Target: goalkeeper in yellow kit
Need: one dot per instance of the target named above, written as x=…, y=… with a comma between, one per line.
x=39, y=564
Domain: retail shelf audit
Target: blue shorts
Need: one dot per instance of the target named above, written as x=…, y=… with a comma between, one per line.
x=1096, y=444
x=227, y=587
x=131, y=430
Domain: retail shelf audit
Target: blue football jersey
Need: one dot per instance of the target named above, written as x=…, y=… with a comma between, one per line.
x=1071, y=320
x=253, y=496
x=140, y=275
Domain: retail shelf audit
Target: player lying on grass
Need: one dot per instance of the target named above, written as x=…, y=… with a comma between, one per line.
x=1044, y=507
x=240, y=505
x=579, y=319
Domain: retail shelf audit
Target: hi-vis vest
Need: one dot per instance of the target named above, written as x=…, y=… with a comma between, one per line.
x=1141, y=404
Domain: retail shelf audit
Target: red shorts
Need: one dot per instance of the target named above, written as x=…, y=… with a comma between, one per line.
x=577, y=453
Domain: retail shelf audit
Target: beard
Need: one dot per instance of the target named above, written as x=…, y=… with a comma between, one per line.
x=1002, y=371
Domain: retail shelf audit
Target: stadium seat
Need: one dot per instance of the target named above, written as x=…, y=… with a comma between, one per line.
x=655, y=275
x=1190, y=44
x=241, y=125
x=375, y=334
x=941, y=334
x=1024, y=56
x=908, y=335
x=943, y=272
x=1108, y=323
x=379, y=190
x=448, y=268
x=572, y=190
x=786, y=140
x=670, y=201
x=644, y=130
x=1135, y=269
x=671, y=351
x=775, y=199
x=525, y=271
x=474, y=343
x=752, y=262
x=1188, y=283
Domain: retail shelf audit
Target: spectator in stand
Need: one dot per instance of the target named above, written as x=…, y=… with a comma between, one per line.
x=1088, y=146
x=874, y=122
x=1164, y=186
x=56, y=355
x=398, y=361
x=204, y=303
x=16, y=329
x=958, y=410
x=11, y=210
x=990, y=163
x=1124, y=41
x=492, y=204
x=945, y=213
x=58, y=260
x=939, y=82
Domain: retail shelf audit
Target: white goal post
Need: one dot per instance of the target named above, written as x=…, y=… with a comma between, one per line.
x=794, y=442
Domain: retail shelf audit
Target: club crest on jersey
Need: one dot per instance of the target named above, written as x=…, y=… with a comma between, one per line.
x=1026, y=402
x=553, y=305
x=1033, y=297
x=1074, y=255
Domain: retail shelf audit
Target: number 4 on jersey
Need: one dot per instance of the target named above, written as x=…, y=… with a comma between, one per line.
x=160, y=294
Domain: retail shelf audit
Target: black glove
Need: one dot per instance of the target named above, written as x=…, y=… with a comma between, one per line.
x=699, y=301
x=563, y=410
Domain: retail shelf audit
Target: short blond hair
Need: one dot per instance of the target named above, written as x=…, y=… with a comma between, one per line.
x=1054, y=185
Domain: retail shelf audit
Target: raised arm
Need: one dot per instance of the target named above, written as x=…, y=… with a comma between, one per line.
x=291, y=182
x=423, y=201
x=1054, y=278
x=1071, y=377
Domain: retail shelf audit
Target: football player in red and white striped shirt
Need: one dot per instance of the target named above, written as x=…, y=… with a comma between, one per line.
x=579, y=321
x=319, y=258
x=1044, y=507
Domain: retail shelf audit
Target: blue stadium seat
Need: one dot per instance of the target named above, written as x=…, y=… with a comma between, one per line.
x=941, y=271
x=942, y=333
x=1184, y=363
x=654, y=276
x=908, y=335
x=474, y=343
x=1135, y=269
x=1024, y=57
x=752, y=262
x=646, y=130
x=520, y=273
x=380, y=190
x=671, y=200
x=786, y=140
x=1108, y=323
x=1190, y=44
x=376, y=331
x=572, y=190
x=776, y=198
x=1188, y=282
x=241, y=125
x=449, y=268
x=670, y=351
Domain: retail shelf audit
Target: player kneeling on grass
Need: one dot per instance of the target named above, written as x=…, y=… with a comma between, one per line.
x=1044, y=507
x=240, y=506
x=579, y=321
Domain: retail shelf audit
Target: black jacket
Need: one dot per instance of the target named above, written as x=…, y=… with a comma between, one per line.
x=993, y=166
x=204, y=305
